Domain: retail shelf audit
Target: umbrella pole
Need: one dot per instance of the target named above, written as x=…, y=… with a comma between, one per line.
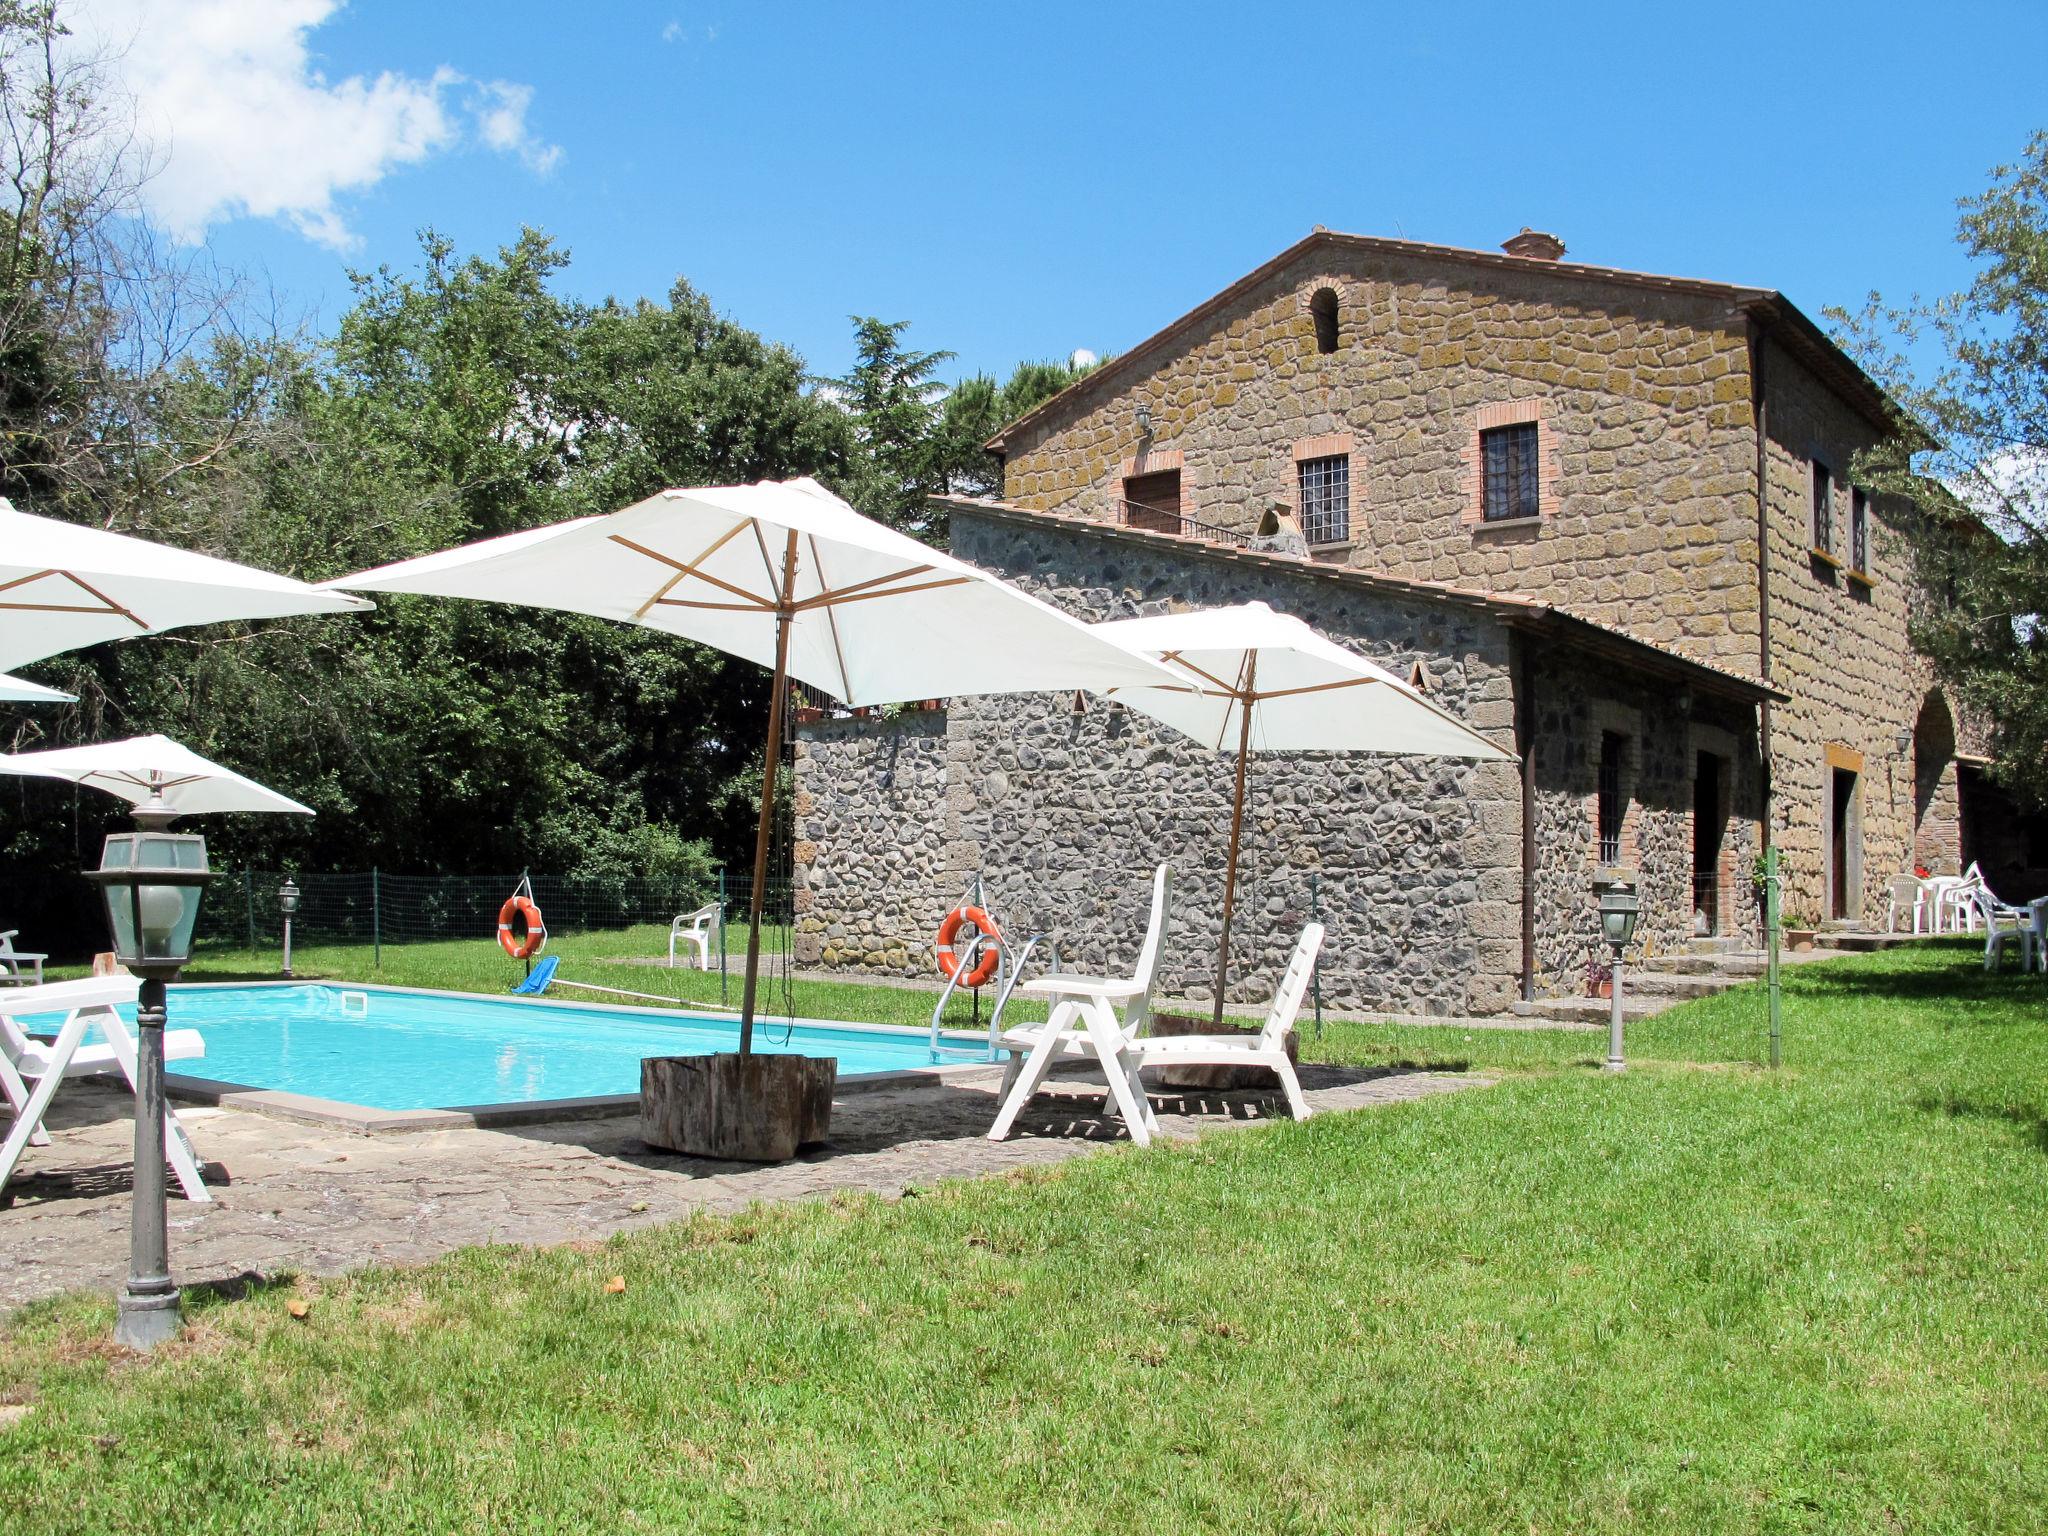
x=777, y=697
x=1244, y=749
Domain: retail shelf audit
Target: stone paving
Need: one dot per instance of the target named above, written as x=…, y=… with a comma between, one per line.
x=290, y=1197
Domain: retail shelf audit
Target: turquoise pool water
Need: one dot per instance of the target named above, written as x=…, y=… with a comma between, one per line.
x=409, y=1050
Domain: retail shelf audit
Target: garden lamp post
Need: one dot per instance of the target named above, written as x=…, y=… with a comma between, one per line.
x=1618, y=911
x=151, y=880
x=288, y=903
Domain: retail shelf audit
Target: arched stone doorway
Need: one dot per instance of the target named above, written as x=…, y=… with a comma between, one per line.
x=1937, y=809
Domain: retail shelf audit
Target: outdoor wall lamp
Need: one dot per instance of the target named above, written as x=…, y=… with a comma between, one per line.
x=1144, y=420
x=1619, y=909
x=1904, y=742
x=288, y=903
x=151, y=881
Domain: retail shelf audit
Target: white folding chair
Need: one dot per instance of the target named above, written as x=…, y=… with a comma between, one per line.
x=694, y=929
x=1084, y=1022
x=12, y=960
x=31, y=1071
x=1268, y=1048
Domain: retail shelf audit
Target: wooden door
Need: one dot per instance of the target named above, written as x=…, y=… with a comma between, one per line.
x=1153, y=501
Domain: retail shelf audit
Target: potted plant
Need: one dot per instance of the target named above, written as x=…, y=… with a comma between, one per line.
x=1599, y=977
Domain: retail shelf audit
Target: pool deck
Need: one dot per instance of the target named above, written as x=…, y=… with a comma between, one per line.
x=322, y=1199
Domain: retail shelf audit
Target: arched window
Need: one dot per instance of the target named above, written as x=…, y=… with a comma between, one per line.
x=1323, y=310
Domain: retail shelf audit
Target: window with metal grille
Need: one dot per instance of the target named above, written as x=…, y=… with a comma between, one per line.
x=1509, y=454
x=1325, y=496
x=1823, y=508
x=1612, y=748
x=1859, y=531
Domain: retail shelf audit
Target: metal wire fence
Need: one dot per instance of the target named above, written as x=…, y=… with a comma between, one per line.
x=243, y=908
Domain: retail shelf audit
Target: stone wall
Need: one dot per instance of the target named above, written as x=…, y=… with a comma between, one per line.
x=1641, y=398
x=1839, y=646
x=1414, y=864
x=872, y=798
x=1573, y=702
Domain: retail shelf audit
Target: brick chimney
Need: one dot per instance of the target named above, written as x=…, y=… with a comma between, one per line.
x=1534, y=245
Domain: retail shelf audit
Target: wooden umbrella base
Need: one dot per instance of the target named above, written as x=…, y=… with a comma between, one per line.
x=750, y=1109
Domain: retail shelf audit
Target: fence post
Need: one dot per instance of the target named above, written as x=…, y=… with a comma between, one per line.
x=721, y=933
x=249, y=895
x=376, y=921
x=1315, y=912
x=1771, y=938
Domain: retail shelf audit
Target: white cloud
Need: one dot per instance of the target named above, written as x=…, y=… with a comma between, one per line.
x=673, y=32
x=501, y=121
x=242, y=124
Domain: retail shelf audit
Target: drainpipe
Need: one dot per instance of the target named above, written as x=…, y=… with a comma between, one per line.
x=1525, y=746
x=1762, y=416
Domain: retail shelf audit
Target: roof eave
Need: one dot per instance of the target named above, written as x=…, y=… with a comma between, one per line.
x=1523, y=613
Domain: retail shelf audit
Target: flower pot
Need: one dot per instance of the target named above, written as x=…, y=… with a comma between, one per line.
x=807, y=715
x=1601, y=988
x=749, y=1109
x=1801, y=940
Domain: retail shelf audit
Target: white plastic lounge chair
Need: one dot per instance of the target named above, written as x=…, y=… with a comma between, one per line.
x=2003, y=925
x=31, y=1072
x=12, y=960
x=695, y=929
x=1268, y=1048
x=1084, y=1022
x=1908, y=893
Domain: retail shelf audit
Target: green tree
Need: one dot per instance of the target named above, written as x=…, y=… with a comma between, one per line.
x=892, y=399
x=1971, y=449
x=977, y=408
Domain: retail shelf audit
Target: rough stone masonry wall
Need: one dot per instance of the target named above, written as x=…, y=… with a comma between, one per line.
x=1642, y=400
x=872, y=811
x=1415, y=862
x=1573, y=703
x=1841, y=650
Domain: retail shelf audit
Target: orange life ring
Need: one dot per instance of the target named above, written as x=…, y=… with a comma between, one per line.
x=536, y=931
x=991, y=947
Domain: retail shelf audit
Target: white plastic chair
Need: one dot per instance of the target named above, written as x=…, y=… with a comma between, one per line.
x=694, y=929
x=12, y=960
x=1268, y=1048
x=31, y=1072
x=1903, y=893
x=2002, y=925
x=1084, y=1022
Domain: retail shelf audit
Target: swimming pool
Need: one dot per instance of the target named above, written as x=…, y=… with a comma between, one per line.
x=400, y=1049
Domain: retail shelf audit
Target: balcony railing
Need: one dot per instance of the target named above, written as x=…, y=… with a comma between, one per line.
x=1133, y=514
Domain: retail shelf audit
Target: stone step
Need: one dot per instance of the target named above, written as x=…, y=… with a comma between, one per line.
x=1738, y=965
x=1725, y=944
x=1591, y=1012
x=1861, y=940
x=1675, y=985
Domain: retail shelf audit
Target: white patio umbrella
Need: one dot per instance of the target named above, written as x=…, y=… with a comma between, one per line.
x=19, y=690
x=785, y=574
x=1267, y=682
x=64, y=586
x=161, y=778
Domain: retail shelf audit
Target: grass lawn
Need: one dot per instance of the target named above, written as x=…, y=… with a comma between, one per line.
x=1698, y=1297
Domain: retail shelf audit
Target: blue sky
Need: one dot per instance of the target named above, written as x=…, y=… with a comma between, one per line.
x=1020, y=180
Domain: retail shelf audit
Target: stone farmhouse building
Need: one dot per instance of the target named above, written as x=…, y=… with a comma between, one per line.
x=1603, y=516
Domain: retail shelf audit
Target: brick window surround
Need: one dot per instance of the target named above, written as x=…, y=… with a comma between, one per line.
x=1307, y=450
x=1472, y=462
x=1859, y=531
